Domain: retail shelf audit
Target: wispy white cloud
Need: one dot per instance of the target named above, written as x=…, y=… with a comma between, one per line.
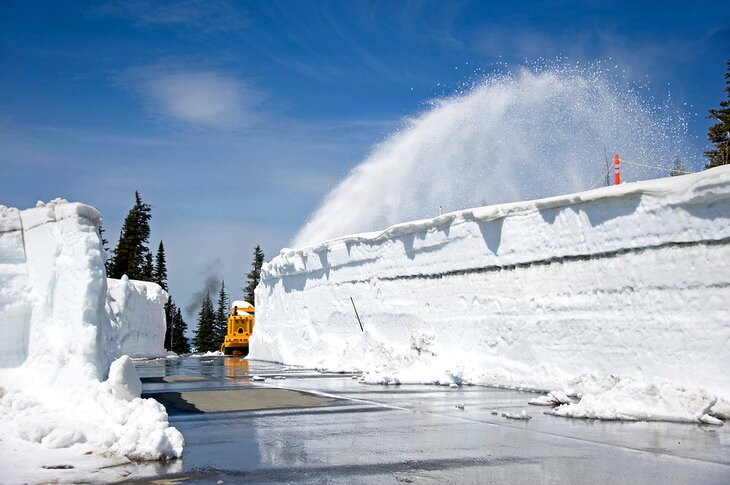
x=195, y=14
x=204, y=98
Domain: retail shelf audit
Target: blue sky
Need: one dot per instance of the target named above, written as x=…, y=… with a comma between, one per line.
x=234, y=119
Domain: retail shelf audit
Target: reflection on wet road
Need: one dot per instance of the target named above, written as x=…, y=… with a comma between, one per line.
x=303, y=426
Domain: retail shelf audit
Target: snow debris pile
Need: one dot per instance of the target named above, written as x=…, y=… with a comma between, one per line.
x=626, y=399
x=210, y=353
x=553, y=398
x=522, y=415
x=615, y=296
x=138, y=316
x=58, y=342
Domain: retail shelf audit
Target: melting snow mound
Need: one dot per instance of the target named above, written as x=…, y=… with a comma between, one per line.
x=617, y=297
x=66, y=395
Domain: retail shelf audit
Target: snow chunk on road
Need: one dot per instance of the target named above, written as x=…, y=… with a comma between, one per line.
x=210, y=353
x=721, y=409
x=521, y=415
x=707, y=419
x=553, y=398
x=632, y=399
x=124, y=380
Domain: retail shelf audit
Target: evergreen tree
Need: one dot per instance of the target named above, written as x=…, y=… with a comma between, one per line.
x=221, y=315
x=719, y=133
x=254, y=276
x=131, y=256
x=204, y=339
x=169, y=322
x=159, y=276
x=179, y=343
x=159, y=273
x=104, y=243
x=148, y=270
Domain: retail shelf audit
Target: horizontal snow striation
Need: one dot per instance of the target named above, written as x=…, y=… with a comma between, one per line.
x=550, y=261
x=631, y=280
x=601, y=221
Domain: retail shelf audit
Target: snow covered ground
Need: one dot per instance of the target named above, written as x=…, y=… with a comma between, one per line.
x=616, y=297
x=67, y=395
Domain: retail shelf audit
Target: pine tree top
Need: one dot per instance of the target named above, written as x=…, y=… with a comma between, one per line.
x=132, y=256
x=719, y=133
x=205, y=334
x=159, y=274
x=221, y=314
x=254, y=276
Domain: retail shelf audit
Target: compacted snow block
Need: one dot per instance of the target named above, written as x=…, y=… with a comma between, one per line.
x=138, y=316
x=576, y=294
x=14, y=287
x=57, y=342
x=54, y=289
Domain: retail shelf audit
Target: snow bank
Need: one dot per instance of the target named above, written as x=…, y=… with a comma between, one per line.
x=53, y=290
x=626, y=399
x=630, y=281
x=138, y=316
x=57, y=343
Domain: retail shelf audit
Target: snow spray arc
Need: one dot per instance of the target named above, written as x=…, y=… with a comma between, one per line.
x=511, y=137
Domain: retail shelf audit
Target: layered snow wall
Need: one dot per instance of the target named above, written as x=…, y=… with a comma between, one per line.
x=59, y=341
x=53, y=293
x=137, y=311
x=619, y=295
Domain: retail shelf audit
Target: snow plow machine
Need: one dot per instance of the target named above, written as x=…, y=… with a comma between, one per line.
x=240, y=327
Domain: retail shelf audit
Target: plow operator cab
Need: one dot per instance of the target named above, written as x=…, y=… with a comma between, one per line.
x=240, y=327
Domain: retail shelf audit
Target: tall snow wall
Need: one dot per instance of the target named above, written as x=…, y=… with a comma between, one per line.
x=137, y=309
x=631, y=280
x=60, y=385
x=53, y=289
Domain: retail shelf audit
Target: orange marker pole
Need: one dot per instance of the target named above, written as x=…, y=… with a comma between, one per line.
x=617, y=170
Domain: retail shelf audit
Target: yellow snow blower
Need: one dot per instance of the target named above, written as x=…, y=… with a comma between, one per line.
x=240, y=327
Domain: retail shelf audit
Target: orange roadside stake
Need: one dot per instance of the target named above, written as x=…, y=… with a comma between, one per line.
x=617, y=170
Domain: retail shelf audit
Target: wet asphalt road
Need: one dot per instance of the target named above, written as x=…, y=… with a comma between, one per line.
x=240, y=431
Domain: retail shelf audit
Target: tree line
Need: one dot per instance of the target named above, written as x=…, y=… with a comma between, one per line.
x=719, y=133
x=132, y=257
x=213, y=322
